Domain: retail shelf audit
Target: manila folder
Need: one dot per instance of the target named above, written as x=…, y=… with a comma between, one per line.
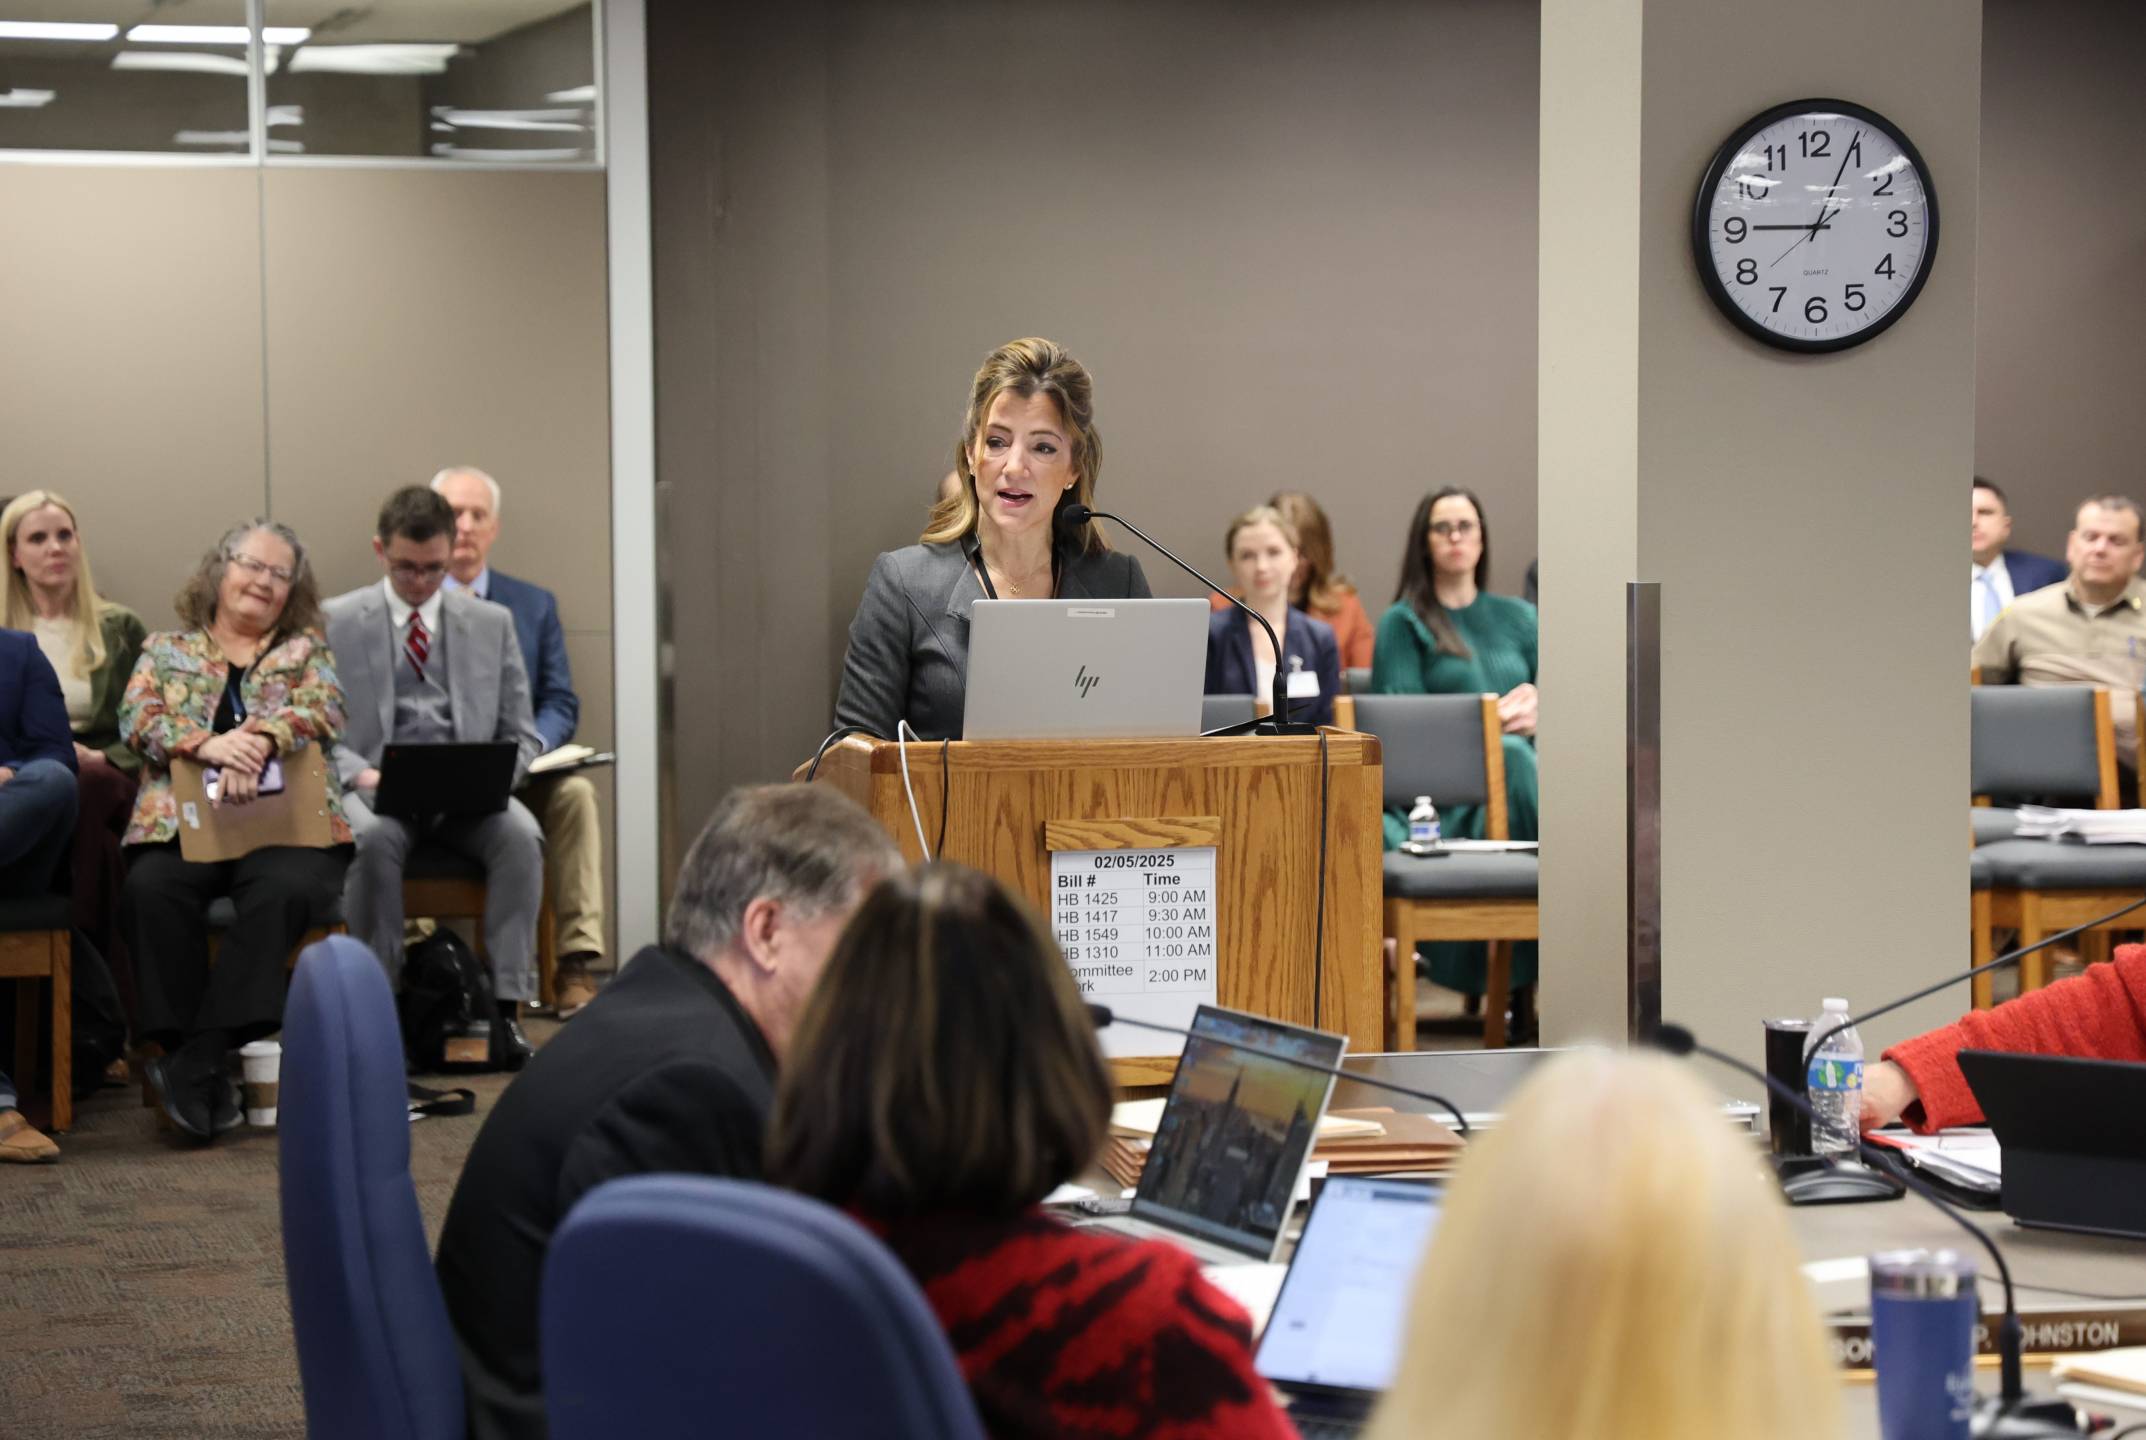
x=298, y=815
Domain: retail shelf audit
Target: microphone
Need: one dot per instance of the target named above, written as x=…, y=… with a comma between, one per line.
x=2011, y=957
x=2014, y=1416
x=1075, y=515
x=1103, y=1017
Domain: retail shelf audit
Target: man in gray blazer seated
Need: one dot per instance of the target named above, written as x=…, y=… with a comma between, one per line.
x=421, y=665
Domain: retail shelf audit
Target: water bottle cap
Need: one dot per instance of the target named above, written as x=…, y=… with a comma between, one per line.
x=1423, y=799
x=1833, y=1004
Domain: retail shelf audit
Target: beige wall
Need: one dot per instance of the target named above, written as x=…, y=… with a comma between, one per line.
x=1813, y=741
x=413, y=319
x=132, y=369
x=1294, y=244
x=2060, y=334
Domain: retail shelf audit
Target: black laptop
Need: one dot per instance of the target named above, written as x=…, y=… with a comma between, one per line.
x=2074, y=1138
x=426, y=782
x=1334, y=1339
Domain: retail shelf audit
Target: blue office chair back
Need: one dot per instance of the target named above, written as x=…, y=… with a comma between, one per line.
x=375, y=1349
x=1217, y=711
x=679, y=1305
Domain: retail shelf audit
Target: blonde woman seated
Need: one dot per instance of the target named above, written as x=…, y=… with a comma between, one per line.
x=1655, y=1293
x=92, y=643
x=945, y=1077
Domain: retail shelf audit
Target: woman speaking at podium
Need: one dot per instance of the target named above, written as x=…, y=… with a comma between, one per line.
x=1028, y=449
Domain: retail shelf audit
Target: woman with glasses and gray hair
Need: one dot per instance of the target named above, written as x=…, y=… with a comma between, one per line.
x=248, y=680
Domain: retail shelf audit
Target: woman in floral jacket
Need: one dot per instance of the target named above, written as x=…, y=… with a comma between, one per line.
x=249, y=680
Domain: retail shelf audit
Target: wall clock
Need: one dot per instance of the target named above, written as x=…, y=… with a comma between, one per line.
x=1815, y=225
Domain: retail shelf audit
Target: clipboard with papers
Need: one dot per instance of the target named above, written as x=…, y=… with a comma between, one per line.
x=298, y=815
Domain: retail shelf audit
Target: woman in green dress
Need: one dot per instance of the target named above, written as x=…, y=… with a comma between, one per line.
x=1445, y=635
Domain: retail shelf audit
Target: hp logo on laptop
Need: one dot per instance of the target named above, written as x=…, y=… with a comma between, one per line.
x=1084, y=682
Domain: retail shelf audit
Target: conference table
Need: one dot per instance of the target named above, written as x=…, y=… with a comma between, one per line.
x=2050, y=1270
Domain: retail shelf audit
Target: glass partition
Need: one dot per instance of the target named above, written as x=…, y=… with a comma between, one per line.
x=77, y=75
x=487, y=81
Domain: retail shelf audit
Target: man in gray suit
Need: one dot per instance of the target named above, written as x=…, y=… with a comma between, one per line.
x=421, y=665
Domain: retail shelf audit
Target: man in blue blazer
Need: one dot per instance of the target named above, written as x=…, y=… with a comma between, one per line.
x=2001, y=576
x=37, y=820
x=565, y=805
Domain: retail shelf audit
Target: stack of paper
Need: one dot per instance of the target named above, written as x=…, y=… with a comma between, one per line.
x=1970, y=1158
x=1352, y=1142
x=1403, y=1144
x=2113, y=1380
x=2095, y=827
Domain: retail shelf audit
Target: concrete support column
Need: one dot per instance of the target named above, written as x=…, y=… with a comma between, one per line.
x=1800, y=513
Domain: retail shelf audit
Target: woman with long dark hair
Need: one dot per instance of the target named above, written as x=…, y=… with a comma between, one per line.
x=1445, y=634
x=944, y=1078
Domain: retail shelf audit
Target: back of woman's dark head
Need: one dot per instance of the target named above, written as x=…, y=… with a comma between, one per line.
x=946, y=1061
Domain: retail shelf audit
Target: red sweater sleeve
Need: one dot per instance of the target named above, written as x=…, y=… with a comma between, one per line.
x=2099, y=1015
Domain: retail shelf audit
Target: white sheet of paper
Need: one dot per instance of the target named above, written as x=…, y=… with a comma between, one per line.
x=1138, y=931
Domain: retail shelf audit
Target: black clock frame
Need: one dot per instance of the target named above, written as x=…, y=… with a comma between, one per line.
x=1702, y=210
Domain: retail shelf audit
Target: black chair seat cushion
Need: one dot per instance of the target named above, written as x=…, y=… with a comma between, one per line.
x=1993, y=823
x=2061, y=865
x=1506, y=875
x=222, y=913
x=1978, y=871
x=36, y=912
x=437, y=862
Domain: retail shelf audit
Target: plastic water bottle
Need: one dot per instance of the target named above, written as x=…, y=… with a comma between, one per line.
x=1836, y=1080
x=1423, y=831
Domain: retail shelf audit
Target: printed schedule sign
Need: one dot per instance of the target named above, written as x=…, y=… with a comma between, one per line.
x=1138, y=930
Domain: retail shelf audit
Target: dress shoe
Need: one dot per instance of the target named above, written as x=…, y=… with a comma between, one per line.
x=572, y=989
x=225, y=1112
x=185, y=1097
x=22, y=1143
x=514, y=1046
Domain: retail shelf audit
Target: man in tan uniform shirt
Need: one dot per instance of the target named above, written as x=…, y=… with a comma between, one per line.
x=2091, y=630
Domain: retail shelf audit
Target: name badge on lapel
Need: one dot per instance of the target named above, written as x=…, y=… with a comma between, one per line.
x=1303, y=684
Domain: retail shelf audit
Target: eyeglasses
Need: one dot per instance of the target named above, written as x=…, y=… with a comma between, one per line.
x=404, y=570
x=1452, y=529
x=281, y=574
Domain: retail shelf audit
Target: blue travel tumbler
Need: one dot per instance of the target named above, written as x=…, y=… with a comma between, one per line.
x=1923, y=1312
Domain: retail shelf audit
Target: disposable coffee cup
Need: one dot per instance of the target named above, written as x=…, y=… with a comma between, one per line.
x=1923, y=1312
x=262, y=1065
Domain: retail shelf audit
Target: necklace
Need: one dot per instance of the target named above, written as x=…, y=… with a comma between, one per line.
x=1005, y=580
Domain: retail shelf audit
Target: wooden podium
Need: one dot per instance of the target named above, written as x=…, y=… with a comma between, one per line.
x=1010, y=803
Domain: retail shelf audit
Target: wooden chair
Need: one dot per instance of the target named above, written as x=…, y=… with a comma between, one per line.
x=1451, y=747
x=37, y=943
x=2058, y=743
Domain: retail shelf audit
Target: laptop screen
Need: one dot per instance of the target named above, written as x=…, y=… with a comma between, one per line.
x=1236, y=1131
x=1337, y=1323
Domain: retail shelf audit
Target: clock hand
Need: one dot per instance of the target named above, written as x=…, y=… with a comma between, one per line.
x=1823, y=225
x=1808, y=232
x=1825, y=207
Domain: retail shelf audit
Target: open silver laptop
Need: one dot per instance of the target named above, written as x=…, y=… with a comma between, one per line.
x=1080, y=669
x=1234, y=1137
x=1334, y=1339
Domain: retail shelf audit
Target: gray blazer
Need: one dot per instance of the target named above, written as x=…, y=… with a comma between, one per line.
x=486, y=684
x=909, y=645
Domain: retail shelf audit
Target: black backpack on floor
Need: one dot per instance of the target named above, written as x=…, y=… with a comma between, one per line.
x=450, y=1017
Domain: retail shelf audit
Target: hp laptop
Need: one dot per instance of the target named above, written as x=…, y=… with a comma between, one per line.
x=1335, y=1336
x=1234, y=1136
x=1079, y=669
x=419, y=782
x=2073, y=1134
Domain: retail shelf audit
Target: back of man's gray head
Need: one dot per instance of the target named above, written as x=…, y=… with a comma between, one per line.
x=808, y=846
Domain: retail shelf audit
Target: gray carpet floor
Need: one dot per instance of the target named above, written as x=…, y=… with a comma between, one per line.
x=141, y=1280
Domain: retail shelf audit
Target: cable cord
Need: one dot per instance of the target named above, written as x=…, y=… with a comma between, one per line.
x=840, y=732
x=901, y=746
x=946, y=784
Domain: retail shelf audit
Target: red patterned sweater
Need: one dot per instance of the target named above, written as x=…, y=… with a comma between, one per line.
x=2099, y=1015
x=1068, y=1334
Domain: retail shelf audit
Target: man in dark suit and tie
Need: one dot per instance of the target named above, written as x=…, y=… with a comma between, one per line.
x=565, y=805
x=421, y=665
x=672, y=1068
x=2001, y=576
x=37, y=820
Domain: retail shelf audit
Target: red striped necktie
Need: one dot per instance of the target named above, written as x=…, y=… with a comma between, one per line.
x=418, y=645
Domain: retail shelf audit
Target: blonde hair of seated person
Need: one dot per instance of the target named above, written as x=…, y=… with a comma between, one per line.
x=1612, y=1264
